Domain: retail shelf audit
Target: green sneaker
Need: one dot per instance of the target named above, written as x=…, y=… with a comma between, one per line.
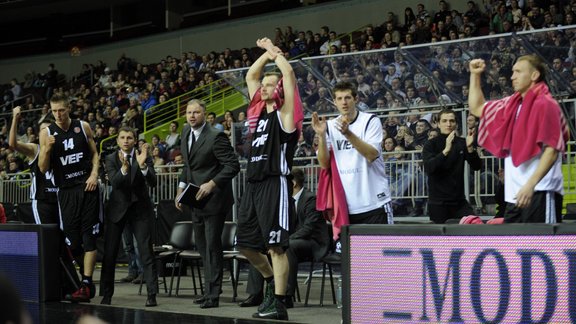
x=276, y=310
x=268, y=297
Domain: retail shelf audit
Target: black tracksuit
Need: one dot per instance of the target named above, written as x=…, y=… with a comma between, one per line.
x=446, y=177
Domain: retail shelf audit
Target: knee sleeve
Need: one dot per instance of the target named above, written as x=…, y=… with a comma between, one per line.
x=89, y=241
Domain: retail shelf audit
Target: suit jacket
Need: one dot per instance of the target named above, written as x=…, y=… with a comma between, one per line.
x=128, y=191
x=212, y=158
x=310, y=224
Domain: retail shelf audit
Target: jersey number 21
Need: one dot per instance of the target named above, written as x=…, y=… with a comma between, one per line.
x=275, y=237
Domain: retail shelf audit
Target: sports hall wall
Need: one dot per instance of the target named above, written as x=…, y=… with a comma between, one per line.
x=341, y=16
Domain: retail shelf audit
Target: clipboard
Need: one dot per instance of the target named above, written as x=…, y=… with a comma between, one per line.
x=188, y=197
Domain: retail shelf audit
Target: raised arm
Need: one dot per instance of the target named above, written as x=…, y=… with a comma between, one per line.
x=289, y=80
x=46, y=143
x=255, y=72
x=476, y=98
x=28, y=149
x=289, y=83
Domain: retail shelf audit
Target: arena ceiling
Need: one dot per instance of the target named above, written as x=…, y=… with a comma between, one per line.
x=25, y=10
x=44, y=26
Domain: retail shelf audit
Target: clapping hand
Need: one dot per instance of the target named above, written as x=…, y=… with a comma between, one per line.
x=449, y=141
x=319, y=124
x=142, y=155
x=342, y=124
x=470, y=138
x=125, y=163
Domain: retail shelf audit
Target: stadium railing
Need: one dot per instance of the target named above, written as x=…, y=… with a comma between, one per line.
x=408, y=185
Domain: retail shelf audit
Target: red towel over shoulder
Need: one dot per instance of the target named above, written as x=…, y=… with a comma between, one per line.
x=540, y=123
x=257, y=105
x=331, y=199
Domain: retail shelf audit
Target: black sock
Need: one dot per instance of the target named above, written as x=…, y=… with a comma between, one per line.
x=280, y=298
x=269, y=279
x=338, y=247
x=87, y=280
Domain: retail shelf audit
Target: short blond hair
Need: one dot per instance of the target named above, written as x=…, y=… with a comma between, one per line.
x=537, y=63
x=200, y=103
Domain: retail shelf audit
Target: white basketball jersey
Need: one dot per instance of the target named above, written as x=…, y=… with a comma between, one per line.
x=365, y=183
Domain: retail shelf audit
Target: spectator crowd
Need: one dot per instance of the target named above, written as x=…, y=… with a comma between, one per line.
x=398, y=85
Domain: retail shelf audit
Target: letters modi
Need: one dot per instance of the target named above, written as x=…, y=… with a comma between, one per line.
x=462, y=279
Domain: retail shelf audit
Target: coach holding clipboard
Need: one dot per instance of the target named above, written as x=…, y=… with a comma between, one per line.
x=210, y=163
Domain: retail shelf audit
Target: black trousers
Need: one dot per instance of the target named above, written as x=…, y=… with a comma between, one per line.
x=441, y=211
x=208, y=233
x=141, y=224
x=545, y=207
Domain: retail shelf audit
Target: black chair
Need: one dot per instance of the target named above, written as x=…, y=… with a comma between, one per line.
x=191, y=255
x=24, y=213
x=180, y=237
x=228, y=244
x=240, y=258
x=327, y=263
x=166, y=216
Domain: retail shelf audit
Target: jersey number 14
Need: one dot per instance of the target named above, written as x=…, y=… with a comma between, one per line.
x=68, y=144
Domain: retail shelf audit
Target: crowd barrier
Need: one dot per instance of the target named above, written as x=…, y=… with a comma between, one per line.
x=407, y=180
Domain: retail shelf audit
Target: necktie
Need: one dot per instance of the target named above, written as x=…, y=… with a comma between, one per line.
x=192, y=143
x=132, y=193
x=129, y=159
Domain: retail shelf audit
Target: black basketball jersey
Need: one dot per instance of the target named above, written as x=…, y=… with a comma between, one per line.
x=70, y=159
x=41, y=187
x=271, y=150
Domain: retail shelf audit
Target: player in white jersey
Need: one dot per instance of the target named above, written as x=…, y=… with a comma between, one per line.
x=354, y=138
x=528, y=130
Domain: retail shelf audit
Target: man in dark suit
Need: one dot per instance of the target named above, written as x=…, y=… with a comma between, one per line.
x=210, y=163
x=130, y=174
x=309, y=241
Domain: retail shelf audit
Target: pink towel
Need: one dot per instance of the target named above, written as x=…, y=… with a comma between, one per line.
x=496, y=221
x=540, y=123
x=257, y=105
x=331, y=199
x=471, y=219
